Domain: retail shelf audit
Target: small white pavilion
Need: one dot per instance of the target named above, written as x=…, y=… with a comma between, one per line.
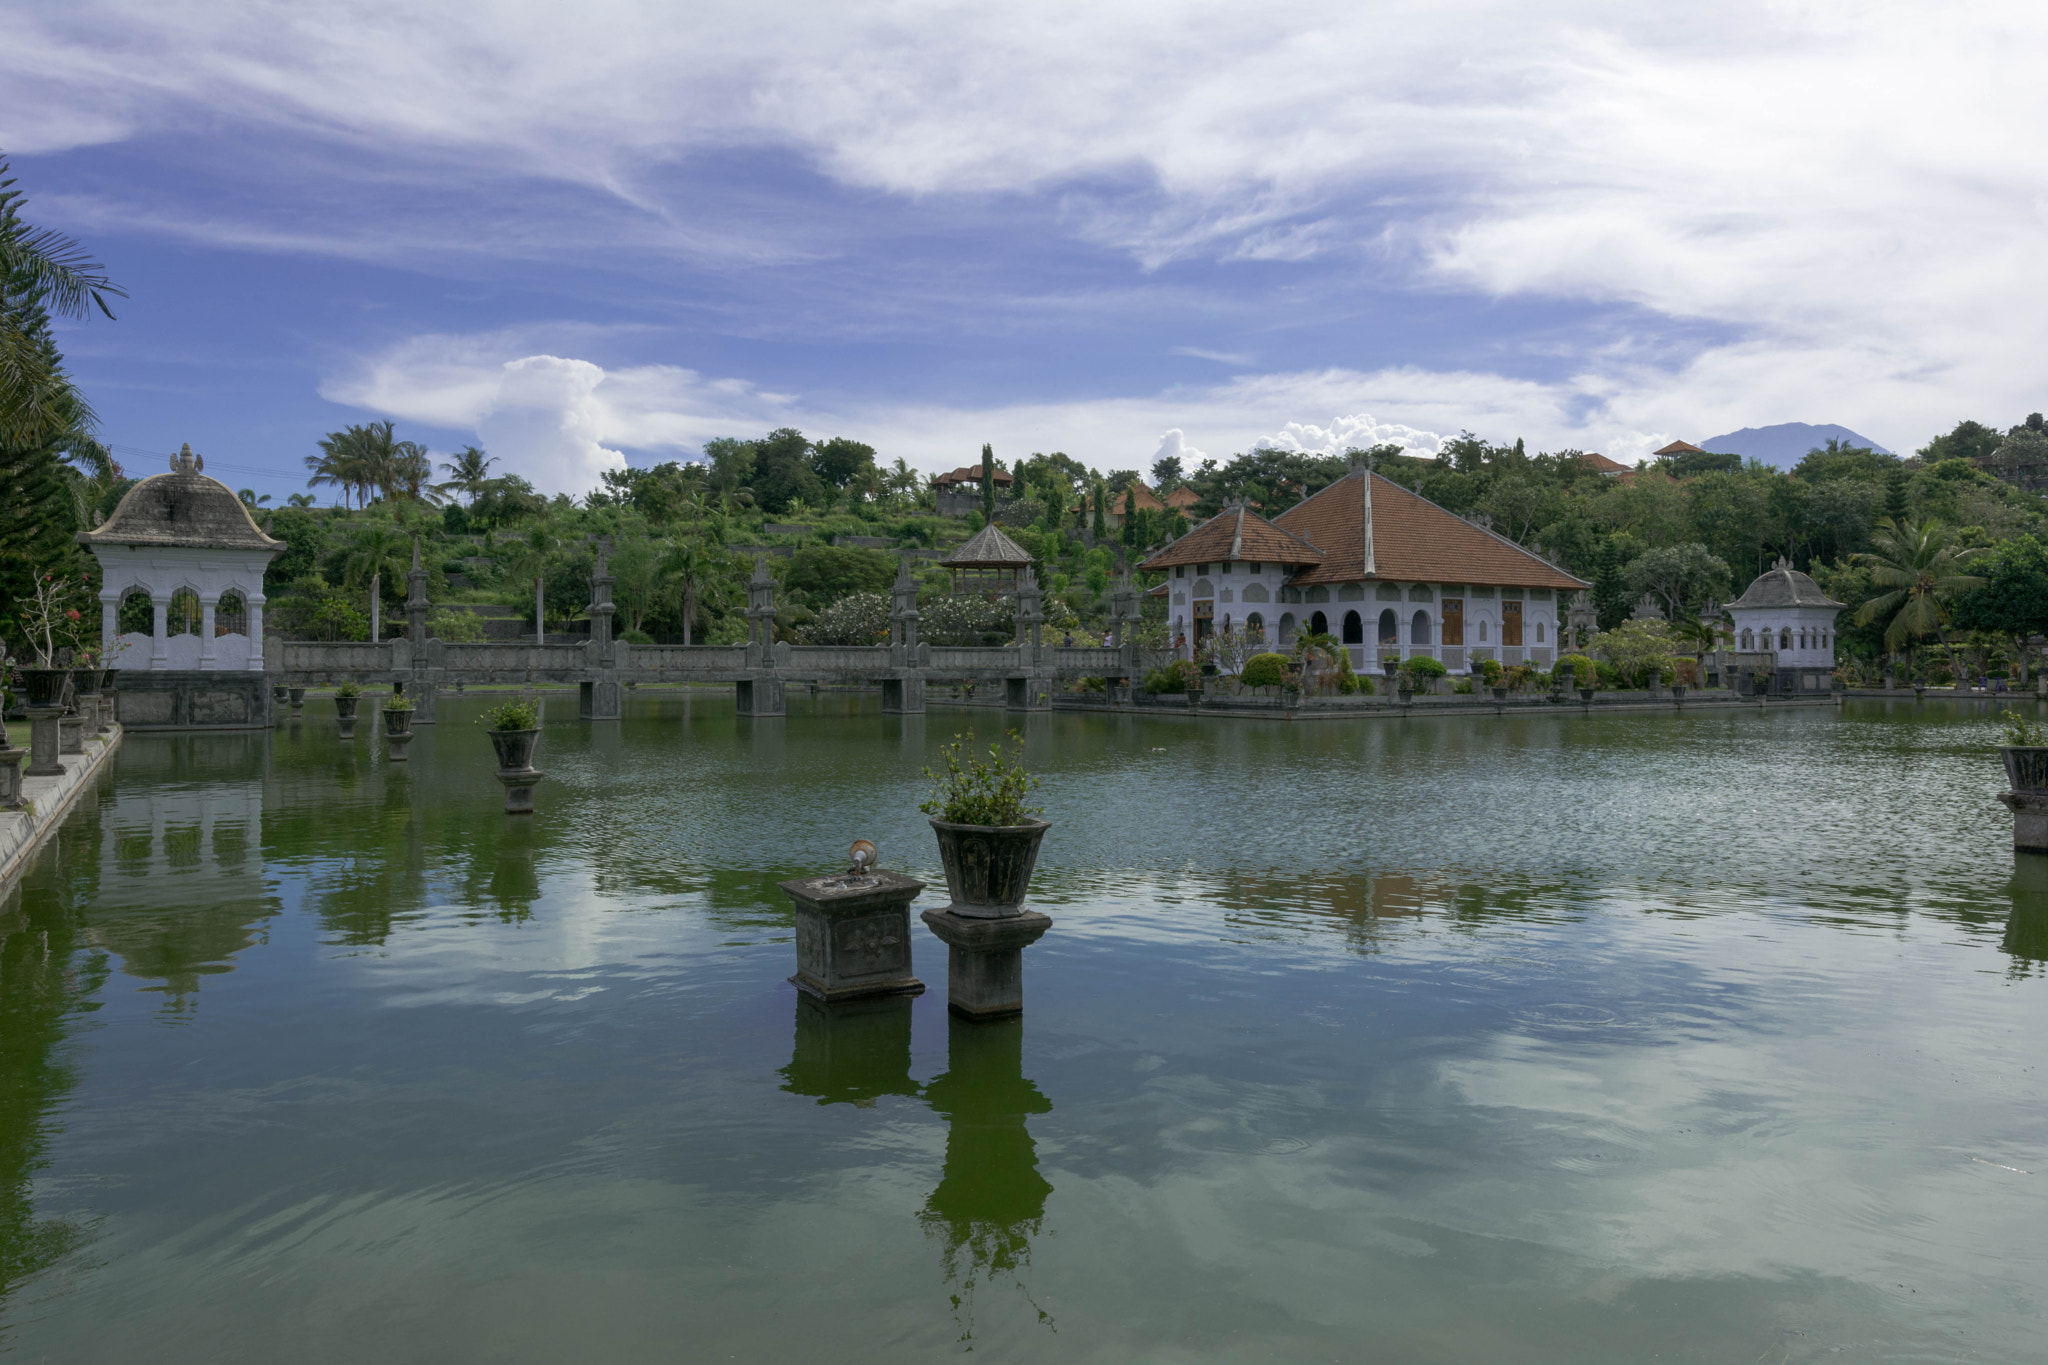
x=187, y=546
x=1786, y=614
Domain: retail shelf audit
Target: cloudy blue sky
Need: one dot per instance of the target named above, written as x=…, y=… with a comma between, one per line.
x=612, y=230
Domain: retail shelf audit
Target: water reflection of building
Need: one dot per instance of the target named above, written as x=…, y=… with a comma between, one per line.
x=180, y=886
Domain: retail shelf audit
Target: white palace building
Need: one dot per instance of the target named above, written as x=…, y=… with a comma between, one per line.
x=1386, y=571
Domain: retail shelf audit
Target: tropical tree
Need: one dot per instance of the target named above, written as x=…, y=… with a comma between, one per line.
x=468, y=472
x=378, y=550
x=2013, y=602
x=691, y=569
x=41, y=273
x=1920, y=570
x=1682, y=577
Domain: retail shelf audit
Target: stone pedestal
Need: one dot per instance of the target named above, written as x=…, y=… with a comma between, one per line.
x=985, y=960
x=2029, y=820
x=903, y=696
x=853, y=934
x=760, y=695
x=398, y=733
x=43, y=741
x=519, y=784
x=1032, y=693
x=602, y=699
x=71, y=735
x=10, y=777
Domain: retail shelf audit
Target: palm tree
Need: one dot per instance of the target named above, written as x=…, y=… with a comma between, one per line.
x=1705, y=637
x=251, y=499
x=41, y=273
x=378, y=548
x=1922, y=566
x=412, y=472
x=688, y=567
x=468, y=472
x=299, y=500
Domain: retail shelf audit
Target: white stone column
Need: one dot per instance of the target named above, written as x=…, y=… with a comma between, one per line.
x=160, y=631
x=206, y=606
x=255, y=601
x=110, y=621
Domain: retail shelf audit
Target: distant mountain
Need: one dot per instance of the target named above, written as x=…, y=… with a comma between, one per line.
x=1785, y=444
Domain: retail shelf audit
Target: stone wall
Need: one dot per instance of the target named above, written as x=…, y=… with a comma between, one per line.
x=164, y=699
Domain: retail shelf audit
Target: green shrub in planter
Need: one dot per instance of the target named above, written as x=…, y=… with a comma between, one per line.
x=350, y=688
x=1424, y=667
x=512, y=715
x=1264, y=670
x=974, y=791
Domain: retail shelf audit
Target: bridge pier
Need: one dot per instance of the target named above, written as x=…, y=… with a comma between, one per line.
x=903, y=696
x=600, y=699
x=760, y=695
x=1031, y=693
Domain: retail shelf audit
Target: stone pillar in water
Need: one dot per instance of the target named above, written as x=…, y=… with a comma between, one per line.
x=425, y=679
x=760, y=692
x=903, y=692
x=2026, y=768
x=43, y=741
x=603, y=698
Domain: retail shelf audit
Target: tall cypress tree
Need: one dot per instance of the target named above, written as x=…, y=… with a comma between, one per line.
x=988, y=484
x=1895, y=505
x=1101, y=521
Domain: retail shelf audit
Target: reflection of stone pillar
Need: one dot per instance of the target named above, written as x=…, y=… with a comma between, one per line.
x=851, y=1053
x=990, y=1200
x=160, y=631
x=206, y=610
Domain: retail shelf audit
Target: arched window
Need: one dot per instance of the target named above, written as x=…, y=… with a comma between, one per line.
x=136, y=615
x=1390, y=628
x=1748, y=640
x=1785, y=637
x=1287, y=627
x=1482, y=630
x=1418, y=629
x=183, y=617
x=1255, y=624
x=231, y=614
x=1539, y=632
x=1354, y=629
x=1318, y=624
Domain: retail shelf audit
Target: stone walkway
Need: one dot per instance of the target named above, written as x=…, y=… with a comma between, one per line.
x=50, y=799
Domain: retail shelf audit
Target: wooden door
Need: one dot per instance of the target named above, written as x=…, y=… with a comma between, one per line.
x=1454, y=621
x=1511, y=623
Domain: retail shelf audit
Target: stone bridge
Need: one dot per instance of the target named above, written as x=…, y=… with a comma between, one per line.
x=759, y=670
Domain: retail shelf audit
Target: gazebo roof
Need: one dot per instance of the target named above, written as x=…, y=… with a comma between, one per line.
x=182, y=510
x=1784, y=586
x=988, y=548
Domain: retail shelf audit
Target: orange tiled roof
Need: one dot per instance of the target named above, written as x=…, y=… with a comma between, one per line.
x=968, y=473
x=1236, y=533
x=1147, y=500
x=1600, y=464
x=1413, y=541
x=1182, y=497
x=1680, y=448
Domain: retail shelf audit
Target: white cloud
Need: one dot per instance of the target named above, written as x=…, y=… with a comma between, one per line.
x=559, y=420
x=1175, y=446
x=1346, y=433
x=1847, y=194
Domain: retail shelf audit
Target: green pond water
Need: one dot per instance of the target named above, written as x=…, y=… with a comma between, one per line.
x=1715, y=1037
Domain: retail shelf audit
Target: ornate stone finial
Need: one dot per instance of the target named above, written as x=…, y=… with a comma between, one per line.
x=1782, y=563
x=760, y=569
x=416, y=552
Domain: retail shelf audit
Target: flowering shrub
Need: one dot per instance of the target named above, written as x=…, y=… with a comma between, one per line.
x=967, y=621
x=860, y=618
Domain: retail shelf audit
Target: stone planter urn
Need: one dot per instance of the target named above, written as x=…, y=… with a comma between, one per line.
x=2026, y=768
x=1586, y=695
x=1500, y=693
x=298, y=696
x=1919, y=691
x=397, y=732
x=345, y=712
x=1678, y=691
x=43, y=686
x=1208, y=670
x=515, y=768
x=986, y=928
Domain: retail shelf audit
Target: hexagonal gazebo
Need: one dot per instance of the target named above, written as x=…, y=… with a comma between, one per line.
x=184, y=547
